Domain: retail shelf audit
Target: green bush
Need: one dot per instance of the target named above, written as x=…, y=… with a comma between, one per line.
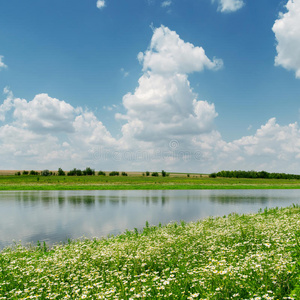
x=155, y=174
x=45, y=173
x=61, y=172
x=101, y=173
x=124, y=174
x=78, y=172
x=72, y=172
x=147, y=173
x=32, y=172
x=88, y=171
x=114, y=173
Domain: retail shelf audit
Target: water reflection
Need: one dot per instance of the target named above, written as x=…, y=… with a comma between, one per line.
x=55, y=216
x=234, y=199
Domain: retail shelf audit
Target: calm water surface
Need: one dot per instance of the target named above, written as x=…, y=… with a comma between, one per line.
x=55, y=216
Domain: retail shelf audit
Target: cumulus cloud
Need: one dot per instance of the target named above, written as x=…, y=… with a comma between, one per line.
x=287, y=33
x=164, y=105
x=2, y=64
x=100, y=4
x=44, y=114
x=48, y=131
x=170, y=54
x=165, y=125
x=227, y=6
x=273, y=147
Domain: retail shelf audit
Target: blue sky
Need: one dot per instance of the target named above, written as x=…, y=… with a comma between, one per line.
x=194, y=85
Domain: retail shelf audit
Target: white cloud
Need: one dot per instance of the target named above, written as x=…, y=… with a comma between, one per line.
x=287, y=33
x=100, y=4
x=47, y=132
x=165, y=125
x=170, y=54
x=7, y=104
x=227, y=6
x=44, y=114
x=166, y=3
x=2, y=64
x=164, y=106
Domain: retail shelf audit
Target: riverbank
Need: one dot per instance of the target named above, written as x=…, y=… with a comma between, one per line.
x=139, y=182
x=235, y=257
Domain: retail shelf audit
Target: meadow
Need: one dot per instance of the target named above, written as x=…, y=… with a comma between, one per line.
x=255, y=256
x=137, y=181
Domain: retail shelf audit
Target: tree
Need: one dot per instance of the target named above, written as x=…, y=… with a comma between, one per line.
x=88, y=171
x=45, y=173
x=61, y=172
x=114, y=173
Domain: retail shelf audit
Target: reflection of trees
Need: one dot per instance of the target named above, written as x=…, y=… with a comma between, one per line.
x=34, y=197
x=87, y=200
x=233, y=199
x=101, y=199
x=156, y=199
x=114, y=200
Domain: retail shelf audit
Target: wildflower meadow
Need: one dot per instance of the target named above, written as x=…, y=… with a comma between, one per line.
x=253, y=256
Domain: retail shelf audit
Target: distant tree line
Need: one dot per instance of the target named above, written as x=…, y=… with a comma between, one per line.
x=74, y=172
x=156, y=174
x=87, y=172
x=253, y=174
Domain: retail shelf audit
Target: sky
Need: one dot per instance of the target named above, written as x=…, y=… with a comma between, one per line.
x=136, y=85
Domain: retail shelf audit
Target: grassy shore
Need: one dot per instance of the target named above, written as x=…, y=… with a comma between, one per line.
x=139, y=182
x=235, y=257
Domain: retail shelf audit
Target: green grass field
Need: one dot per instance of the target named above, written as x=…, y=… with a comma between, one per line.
x=253, y=257
x=138, y=182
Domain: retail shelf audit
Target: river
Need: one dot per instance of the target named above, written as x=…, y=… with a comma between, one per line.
x=56, y=216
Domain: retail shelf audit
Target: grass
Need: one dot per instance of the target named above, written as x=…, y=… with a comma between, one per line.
x=252, y=256
x=12, y=182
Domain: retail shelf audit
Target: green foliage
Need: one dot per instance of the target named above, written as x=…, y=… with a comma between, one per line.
x=147, y=173
x=46, y=173
x=237, y=257
x=163, y=173
x=254, y=174
x=32, y=172
x=124, y=174
x=114, y=173
x=18, y=173
x=61, y=172
x=155, y=174
x=12, y=182
x=101, y=173
x=75, y=172
x=25, y=172
x=88, y=171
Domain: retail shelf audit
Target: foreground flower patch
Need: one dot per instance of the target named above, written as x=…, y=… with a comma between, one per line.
x=235, y=257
